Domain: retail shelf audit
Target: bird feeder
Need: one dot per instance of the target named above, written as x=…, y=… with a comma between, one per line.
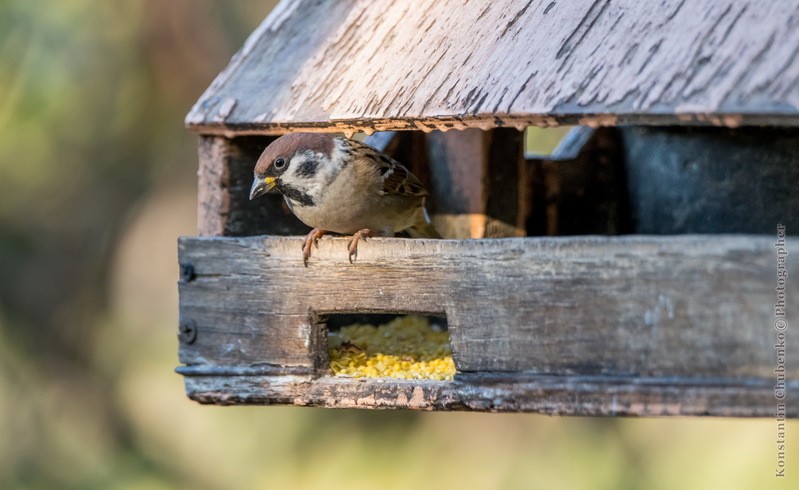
x=636, y=270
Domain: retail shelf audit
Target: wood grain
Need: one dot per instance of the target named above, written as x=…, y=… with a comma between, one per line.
x=354, y=65
x=580, y=189
x=549, y=394
x=214, y=200
x=477, y=183
x=688, y=307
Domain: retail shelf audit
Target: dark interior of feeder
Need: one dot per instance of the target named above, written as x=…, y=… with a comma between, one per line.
x=623, y=180
x=335, y=321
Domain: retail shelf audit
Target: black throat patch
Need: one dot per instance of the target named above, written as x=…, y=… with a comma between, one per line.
x=295, y=195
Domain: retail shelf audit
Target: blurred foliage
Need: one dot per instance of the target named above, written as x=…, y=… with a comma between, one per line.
x=97, y=178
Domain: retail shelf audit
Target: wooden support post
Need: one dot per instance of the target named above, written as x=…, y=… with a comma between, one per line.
x=580, y=188
x=225, y=177
x=477, y=183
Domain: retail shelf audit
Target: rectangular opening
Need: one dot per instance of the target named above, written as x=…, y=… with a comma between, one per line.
x=388, y=346
x=542, y=143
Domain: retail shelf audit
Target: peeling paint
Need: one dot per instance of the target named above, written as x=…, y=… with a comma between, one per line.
x=417, y=399
x=725, y=62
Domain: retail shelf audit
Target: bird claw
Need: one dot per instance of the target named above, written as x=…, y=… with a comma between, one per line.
x=311, y=239
x=352, y=247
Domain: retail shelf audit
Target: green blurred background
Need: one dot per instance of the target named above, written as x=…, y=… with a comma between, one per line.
x=97, y=180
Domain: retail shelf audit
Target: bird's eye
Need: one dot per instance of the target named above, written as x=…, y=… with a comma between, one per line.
x=280, y=163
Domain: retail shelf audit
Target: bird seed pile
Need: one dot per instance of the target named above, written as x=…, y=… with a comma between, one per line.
x=407, y=348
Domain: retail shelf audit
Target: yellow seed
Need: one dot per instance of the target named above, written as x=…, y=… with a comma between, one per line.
x=406, y=348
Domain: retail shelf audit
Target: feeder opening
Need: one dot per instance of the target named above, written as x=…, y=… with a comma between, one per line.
x=389, y=346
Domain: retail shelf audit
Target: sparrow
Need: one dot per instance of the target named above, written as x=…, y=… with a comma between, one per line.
x=335, y=184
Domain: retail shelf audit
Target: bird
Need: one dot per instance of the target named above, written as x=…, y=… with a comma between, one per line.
x=337, y=184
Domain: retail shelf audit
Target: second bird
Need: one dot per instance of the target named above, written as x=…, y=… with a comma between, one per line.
x=337, y=184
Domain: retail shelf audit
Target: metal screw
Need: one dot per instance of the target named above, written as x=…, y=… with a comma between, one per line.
x=187, y=332
x=187, y=273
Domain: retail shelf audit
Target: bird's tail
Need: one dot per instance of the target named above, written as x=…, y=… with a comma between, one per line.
x=422, y=228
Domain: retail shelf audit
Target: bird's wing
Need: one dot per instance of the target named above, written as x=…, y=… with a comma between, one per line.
x=396, y=179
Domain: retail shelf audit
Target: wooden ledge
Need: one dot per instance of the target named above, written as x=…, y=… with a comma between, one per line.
x=680, y=324
x=504, y=392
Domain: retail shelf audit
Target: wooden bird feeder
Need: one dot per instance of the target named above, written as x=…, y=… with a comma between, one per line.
x=654, y=289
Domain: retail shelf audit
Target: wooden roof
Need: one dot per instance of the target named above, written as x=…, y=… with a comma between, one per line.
x=351, y=65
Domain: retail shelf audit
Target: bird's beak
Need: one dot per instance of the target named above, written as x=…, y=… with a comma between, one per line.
x=261, y=187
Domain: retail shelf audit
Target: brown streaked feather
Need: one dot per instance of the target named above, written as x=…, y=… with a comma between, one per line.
x=397, y=180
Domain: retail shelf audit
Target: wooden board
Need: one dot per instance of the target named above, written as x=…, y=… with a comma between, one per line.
x=354, y=65
x=580, y=188
x=477, y=183
x=691, y=309
x=549, y=394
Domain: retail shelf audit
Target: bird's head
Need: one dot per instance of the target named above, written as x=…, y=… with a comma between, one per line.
x=298, y=165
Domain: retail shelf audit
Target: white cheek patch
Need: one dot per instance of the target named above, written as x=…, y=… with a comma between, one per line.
x=308, y=172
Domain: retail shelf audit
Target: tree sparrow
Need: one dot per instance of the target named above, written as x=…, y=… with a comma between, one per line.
x=340, y=185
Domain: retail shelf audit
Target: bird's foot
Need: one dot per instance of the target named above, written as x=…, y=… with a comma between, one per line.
x=353, y=245
x=310, y=241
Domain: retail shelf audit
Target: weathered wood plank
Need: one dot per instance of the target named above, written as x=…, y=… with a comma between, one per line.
x=549, y=394
x=478, y=183
x=581, y=188
x=688, y=306
x=441, y=64
x=213, y=198
x=507, y=195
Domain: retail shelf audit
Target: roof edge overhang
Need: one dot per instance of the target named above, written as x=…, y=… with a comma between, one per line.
x=358, y=65
x=490, y=121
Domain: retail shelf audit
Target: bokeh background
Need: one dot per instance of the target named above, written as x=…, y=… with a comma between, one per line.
x=97, y=180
